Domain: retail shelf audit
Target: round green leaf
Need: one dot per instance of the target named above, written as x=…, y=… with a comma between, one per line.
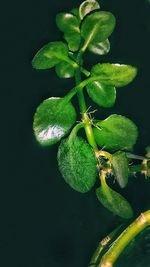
x=114, y=202
x=64, y=70
x=114, y=74
x=50, y=55
x=77, y=164
x=101, y=48
x=69, y=24
x=119, y=164
x=88, y=6
x=102, y=94
x=116, y=133
x=53, y=119
x=97, y=27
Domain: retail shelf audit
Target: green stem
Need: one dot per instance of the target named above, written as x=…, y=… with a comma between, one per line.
x=82, y=104
x=75, y=130
x=102, y=245
x=123, y=240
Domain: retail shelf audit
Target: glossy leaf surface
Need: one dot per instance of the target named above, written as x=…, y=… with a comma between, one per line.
x=69, y=24
x=87, y=6
x=50, y=55
x=53, y=120
x=114, y=202
x=97, y=27
x=114, y=74
x=64, y=70
x=116, y=133
x=77, y=164
x=119, y=164
x=102, y=94
x=101, y=48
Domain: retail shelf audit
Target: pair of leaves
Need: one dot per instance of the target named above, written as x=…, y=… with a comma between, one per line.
x=113, y=201
x=77, y=164
x=55, y=54
x=107, y=78
x=116, y=133
x=53, y=120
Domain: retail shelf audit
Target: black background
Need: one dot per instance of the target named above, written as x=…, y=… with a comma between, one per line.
x=43, y=221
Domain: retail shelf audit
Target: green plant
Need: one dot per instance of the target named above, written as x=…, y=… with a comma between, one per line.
x=106, y=150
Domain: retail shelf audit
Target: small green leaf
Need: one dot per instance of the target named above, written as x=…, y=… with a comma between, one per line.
x=101, y=48
x=114, y=74
x=102, y=94
x=113, y=201
x=73, y=39
x=53, y=119
x=97, y=27
x=64, y=70
x=119, y=164
x=69, y=25
x=50, y=55
x=116, y=133
x=67, y=22
x=88, y=6
x=77, y=164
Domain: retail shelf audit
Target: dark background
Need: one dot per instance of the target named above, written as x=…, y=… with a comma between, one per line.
x=43, y=222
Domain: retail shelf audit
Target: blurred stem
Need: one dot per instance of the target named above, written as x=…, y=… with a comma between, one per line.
x=123, y=240
x=102, y=245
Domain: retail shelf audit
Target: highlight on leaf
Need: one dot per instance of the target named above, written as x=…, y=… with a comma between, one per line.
x=102, y=94
x=87, y=7
x=64, y=70
x=101, y=48
x=53, y=120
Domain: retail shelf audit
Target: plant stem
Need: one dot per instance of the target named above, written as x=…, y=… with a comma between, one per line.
x=102, y=245
x=82, y=104
x=75, y=130
x=123, y=240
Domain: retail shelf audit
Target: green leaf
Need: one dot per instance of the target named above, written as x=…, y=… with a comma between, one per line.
x=77, y=164
x=64, y=70
x=119, y=164
x=101, y=48
x=116, y=133
x=113, y=201
x=97, y=27
x=50, y=55
x=75, y=12
x=114, y=74
x=69, y=24
x=53, y=119
x=88, y=6
x=102, y=94
x=73, y=39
